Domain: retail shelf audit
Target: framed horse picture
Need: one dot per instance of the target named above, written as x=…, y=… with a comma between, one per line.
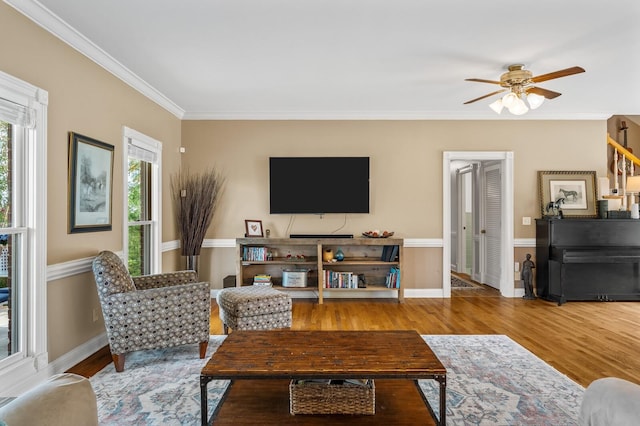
x=568, y=193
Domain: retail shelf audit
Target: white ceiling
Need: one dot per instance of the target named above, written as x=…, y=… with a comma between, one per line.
x=362, y=59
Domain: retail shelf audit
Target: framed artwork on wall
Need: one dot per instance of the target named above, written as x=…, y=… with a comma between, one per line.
x=574, y=192
x=253, y=228
x=90, y=184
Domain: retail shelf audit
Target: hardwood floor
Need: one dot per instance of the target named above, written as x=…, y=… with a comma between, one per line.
x=584, y=340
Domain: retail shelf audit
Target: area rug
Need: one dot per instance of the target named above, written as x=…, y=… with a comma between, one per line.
x=491, y=380
x=460, y=283
x=159, y=387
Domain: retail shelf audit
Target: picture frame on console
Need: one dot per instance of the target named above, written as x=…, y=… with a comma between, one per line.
x=253, y=228
x=577, y=189
x=90, y=184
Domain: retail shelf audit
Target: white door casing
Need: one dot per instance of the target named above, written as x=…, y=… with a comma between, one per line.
x=506, y=236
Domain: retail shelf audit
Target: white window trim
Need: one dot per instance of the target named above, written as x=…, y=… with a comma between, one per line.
x=143, y=141
x=32, y=368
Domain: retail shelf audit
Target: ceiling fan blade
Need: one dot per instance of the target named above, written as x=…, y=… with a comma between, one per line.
x=557, y=74
x=549, y=94
x=485, y=96
x=481, y=80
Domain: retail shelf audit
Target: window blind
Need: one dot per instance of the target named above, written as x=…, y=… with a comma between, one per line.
x=14, y=113
x=139, y=152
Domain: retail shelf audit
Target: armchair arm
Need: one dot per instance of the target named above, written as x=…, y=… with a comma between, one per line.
x=166, y=279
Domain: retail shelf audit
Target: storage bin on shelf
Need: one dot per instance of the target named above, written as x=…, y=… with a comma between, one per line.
x=333, y=397
x=294, y=277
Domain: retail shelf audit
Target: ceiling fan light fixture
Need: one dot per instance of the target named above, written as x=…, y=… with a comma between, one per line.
x=535, y=100
x=518, y=107
x=509, y=100
x=497, y=106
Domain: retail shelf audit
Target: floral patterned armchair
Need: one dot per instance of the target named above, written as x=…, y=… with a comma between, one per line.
x=152, y=311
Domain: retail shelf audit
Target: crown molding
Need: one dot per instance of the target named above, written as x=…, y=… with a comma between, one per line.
x=384, y=115
x=46, y=19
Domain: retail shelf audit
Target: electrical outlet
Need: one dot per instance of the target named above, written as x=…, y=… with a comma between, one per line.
x=96, y=314
x=526, y=221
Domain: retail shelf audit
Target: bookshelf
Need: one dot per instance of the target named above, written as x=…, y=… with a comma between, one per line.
x=370, y=264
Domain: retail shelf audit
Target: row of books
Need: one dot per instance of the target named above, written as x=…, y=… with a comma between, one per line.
x=262, y=279
x=393, y=279
x=335, y=279
x=389, y=253
x=255, y=253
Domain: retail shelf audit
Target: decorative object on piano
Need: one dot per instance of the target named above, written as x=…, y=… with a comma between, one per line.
x=633, y=188
x=618, y=214
x=603, y=208
x=577, y=188
x=555, y=208
x=526, y=275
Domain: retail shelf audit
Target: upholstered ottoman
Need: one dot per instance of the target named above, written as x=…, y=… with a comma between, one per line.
x=254, y=308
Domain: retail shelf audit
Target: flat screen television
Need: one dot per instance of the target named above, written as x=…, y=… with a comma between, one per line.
x=319, y=185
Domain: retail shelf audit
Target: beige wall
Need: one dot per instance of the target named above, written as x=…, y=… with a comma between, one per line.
x=406, y=171
x=88, y=100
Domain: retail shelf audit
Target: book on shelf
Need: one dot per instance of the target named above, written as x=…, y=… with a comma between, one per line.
x=393, y=278
x=335, y=279
x=389, y=253
x=256, y=254
x=262, y=279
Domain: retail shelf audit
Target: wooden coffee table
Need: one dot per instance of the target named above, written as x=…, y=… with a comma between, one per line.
x=284, y=354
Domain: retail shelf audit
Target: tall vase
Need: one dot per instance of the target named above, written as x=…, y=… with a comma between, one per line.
x=192, y=262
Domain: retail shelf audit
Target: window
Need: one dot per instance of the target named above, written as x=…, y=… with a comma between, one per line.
x=23, y=171
x=142, y=203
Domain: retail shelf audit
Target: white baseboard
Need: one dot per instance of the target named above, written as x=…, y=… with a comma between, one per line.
x=433, y=293
x=78, y=354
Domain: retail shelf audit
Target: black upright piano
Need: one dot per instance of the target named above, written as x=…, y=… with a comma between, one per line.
x=588, y=259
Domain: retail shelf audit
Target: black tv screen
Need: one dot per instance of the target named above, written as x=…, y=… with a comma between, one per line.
x=319, y=185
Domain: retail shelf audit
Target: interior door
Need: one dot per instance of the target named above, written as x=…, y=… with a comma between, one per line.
x=455, y=226
x=492, y=218
x=477, y=239
x=466, y=225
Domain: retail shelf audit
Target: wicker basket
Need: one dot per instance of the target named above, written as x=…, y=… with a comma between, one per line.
x=332, y=398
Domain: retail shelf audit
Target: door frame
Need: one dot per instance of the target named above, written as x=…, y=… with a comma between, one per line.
x=507, y=284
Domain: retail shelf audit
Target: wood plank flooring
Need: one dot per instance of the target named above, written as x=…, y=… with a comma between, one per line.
x=584, y=340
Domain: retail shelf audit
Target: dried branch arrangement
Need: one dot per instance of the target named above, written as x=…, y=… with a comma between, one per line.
x=195, y=197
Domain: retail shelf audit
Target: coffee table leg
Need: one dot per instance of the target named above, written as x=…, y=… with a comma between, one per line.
x=204, y=409
x=441, y=419
x=443, y=399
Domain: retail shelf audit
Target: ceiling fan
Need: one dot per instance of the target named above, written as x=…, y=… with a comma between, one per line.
x=519, y=82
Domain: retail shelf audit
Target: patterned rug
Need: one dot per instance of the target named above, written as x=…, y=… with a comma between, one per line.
x=459, y=283
x=491, y=380
x=160, y=387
